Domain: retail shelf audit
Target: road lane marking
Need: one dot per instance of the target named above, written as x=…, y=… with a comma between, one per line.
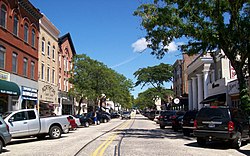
x=110, y=139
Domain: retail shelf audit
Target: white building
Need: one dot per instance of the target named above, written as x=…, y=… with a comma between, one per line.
x=208, y=76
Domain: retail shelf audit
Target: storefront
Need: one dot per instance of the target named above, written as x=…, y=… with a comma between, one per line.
x=233, y=93
x=66, y=102
x=9, y=93
x=29, y=98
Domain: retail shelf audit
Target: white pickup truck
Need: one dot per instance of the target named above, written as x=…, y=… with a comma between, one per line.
x=26, y=122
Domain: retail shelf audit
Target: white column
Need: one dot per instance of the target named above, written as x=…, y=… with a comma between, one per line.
x=194, y=89
x=190, y=95
x=200, y=91
x=206, y=81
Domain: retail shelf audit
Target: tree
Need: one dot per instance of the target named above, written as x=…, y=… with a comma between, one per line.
x=91, y=78
x=207, y=25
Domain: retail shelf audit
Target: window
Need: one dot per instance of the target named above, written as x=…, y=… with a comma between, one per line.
x=14, y=63
x=25, y=66
x=26, y=32
x=43, y=46
x=2, y=57
x=19, y=116
x=15, y=26
x=64, y=83
x=48, y=50
x=32, y=75
x=31, y=115
x=48, y=74
x=64, y=64
x=33, y=37
x=53, y=76
x=42, y=74
x=3, y=15
x=59, y=60
x=53, y=52
x=59, y=83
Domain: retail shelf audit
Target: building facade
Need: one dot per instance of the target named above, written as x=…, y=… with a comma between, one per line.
x=208, y=76
x=19, y=34
x=48, y=67
x=65, y=64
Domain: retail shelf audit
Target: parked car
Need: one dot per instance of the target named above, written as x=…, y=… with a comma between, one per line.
x=72, y=122
x=84, y=120
x=177, y=123
x=151, y=115
x=221, y=123
x=126, y=115
x=188, y=122
x=165, y=118
x=157, y=114
x=103, y=117
x=5, y=136
x=115, y=115
x=27, y=122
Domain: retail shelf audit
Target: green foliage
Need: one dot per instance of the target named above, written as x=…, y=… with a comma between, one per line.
x=91, y=78
x=155, y=76
x=207, y=25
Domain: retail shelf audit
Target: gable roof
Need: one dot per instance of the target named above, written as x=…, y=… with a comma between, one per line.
x=67, y=37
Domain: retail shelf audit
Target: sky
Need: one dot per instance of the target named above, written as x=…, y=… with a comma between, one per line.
x=107, y=31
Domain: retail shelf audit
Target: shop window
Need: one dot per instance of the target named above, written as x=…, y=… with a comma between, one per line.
x=2, y=56
x=26, y=32
x=3, y=15
x=14, y=62
x=15, y=26
x=33, y=38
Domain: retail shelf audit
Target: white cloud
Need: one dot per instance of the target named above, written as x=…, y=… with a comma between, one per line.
x=173, y=46
x=140, y=45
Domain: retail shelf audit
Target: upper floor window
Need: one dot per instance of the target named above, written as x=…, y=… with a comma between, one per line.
x=33, y=37
x=53, y=75
x=15, y=26
x=42, y=72
x=32, y=74
x=59, y=60
x=53, y=52
x=26, y=32
x=25, y=66
x=59, y=83
x=3, y=15
x=43, y=45
x=14, y=62
x=48, y=50
x=2, y=56
x=48, y=74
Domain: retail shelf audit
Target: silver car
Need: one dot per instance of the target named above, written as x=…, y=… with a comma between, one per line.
x=126, y=115
x=4, y=134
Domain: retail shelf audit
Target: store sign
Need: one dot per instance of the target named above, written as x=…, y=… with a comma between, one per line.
x=233, y=87
x=232, y=73
x=4, y=75
x=29, y=93
x=48, y=92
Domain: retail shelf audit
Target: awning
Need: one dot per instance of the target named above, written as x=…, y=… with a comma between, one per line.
x=218, y=97
x=7, y=87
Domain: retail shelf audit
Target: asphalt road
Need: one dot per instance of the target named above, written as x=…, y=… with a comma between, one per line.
x=137, y=137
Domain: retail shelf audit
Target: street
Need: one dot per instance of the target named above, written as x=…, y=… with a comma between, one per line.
x=135, y=137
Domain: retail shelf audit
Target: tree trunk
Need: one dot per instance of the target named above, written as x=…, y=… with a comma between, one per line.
x=79, y=106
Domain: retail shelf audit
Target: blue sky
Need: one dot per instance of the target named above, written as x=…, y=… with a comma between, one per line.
x=106, y=31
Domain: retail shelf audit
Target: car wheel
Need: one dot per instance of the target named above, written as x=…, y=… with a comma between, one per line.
x=1, y=146
x=55, y=132
x=201, y=141
x=86, y=124
x=237, y=141
x=162, y=127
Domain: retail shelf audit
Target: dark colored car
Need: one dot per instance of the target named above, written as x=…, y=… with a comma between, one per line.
x=188, y=122
x=103, y=116
x=177, y=123
x=151, y=115
x=221, y=123
x=85, y=120
x=5, y=136
x=115, y=115
x=165, y=118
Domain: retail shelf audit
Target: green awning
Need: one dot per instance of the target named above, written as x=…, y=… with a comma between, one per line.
x=11, y=88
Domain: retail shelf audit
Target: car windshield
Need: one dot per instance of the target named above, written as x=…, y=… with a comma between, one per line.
x=168, y=113
x=209, y=113
x=126, y=112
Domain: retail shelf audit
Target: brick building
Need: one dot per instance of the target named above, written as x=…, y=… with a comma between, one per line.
x=19, y=34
